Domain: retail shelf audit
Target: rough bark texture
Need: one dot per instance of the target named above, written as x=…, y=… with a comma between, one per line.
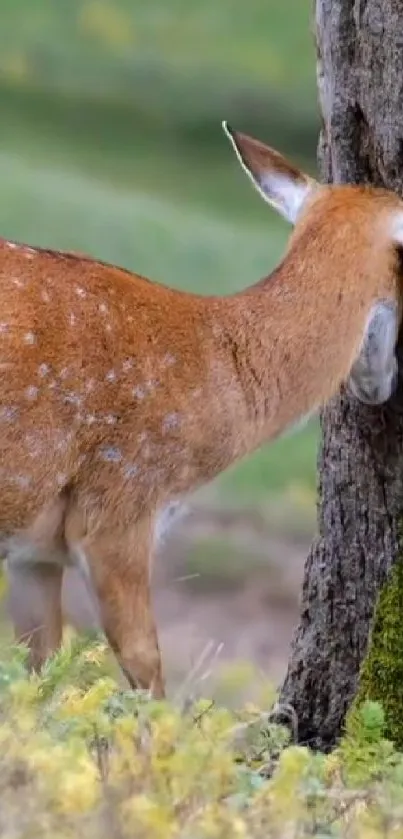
x=360, y=80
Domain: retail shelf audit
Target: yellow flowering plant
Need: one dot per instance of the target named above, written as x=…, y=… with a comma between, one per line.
x=79, y=756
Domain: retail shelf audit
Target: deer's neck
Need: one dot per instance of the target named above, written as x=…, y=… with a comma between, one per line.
x=276, y=369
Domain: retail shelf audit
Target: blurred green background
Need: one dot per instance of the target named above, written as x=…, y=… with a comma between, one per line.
x=111, y=143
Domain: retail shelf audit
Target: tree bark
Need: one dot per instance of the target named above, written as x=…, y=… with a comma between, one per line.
x=360, y=82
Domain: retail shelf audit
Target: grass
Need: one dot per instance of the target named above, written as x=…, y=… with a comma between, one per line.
x=172, y=242
x=107, y=143
x=175, y=65
x=290, y=462
x=238, y=39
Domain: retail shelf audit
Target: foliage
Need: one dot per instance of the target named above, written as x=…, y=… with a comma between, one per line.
x=381, y=676
x=79, y=757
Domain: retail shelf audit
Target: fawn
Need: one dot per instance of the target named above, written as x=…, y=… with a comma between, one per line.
x=119, y=396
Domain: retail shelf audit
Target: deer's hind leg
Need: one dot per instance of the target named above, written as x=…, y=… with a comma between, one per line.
x=34, y=603
x=34, y=567
x=119, y=564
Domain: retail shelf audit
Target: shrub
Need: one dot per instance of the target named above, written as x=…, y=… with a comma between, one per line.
x=80, y=757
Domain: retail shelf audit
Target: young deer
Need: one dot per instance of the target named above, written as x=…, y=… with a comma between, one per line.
x=120, y=396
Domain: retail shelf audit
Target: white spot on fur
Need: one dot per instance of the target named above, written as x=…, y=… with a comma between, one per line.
x=72, y=398
x=127, y=365
x=43, y=370
x=151, y=384
x=111, y=419
x=103, y=308
x=90, y=419
x=72, y=319
x=33, y=444
x=17, y=282
x=62, y=445
x=31, y=393
x=89, y=385
x=3, y=328
x=8, y=414
x=170, y=421
x=110, y=454
x=131, y=471
x=12, y=245
x=23, y=481
x=45, y=296
x=169, y=359
x=80, y=291
x=139, y=392
x=64, y=372
x=110, y=376
x=30, y=338
x=61, y=479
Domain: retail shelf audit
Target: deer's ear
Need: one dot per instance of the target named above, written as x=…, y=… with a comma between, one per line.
x=279, y=182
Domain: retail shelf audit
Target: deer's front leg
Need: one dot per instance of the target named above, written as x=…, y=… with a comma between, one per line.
x=119, y=564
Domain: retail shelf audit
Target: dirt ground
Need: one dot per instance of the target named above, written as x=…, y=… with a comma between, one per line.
x=242, y=602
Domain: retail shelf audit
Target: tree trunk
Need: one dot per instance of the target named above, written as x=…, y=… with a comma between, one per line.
x=360, y=80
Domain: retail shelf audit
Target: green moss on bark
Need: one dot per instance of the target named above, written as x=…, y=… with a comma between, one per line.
x=381, y=677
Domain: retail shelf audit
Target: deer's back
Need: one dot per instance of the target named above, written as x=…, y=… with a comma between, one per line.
x=102, y=381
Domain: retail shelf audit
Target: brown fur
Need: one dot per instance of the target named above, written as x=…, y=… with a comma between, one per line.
x=119, y=394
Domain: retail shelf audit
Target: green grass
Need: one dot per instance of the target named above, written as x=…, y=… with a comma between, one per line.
x=290, y=461
x=170, y=239
x=264, y=39
x=177, y=65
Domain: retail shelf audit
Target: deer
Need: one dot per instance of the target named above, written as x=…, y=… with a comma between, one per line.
x=121, y=396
